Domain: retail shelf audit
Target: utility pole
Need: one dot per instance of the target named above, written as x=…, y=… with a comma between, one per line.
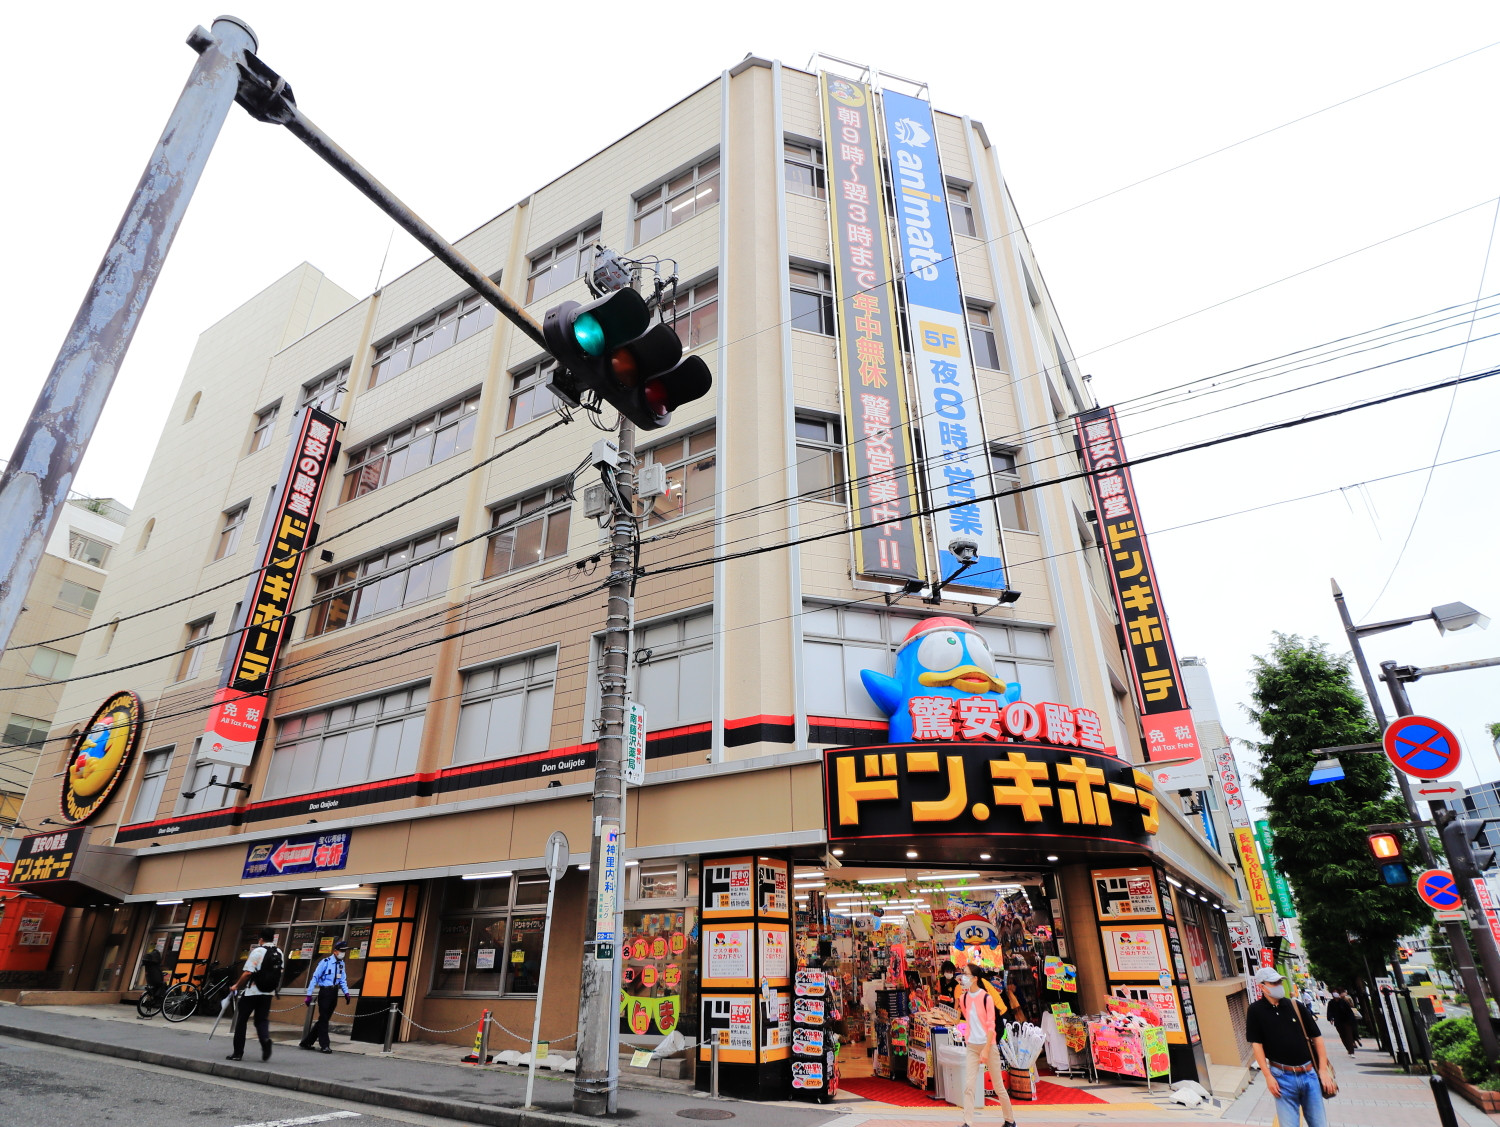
x=596, y=1083
x=1462, y=953
x=41, y=471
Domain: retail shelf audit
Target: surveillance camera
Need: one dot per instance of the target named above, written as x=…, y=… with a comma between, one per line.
x=964, y=550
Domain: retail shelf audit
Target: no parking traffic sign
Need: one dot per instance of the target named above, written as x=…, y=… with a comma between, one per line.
x=1422, y=747
x=1439, y=891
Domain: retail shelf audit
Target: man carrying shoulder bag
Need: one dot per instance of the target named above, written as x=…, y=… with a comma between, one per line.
x=1289, y=1051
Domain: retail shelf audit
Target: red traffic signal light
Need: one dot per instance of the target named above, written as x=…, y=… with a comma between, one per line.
x=1385, y=846
x=610, y=347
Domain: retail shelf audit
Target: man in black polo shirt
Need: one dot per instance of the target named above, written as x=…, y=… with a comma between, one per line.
x=1289, y=1052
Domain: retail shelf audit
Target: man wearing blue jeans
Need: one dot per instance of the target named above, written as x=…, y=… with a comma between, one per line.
x=1289, y=1051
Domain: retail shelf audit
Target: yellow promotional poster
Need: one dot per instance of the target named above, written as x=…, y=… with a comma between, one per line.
x=1255, y=876
x=383, y=939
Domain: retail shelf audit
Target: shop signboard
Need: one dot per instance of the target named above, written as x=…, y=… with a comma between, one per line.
x=293, y=856
x=870, y=359
x=727, y=955
x=1229, y=783
x=1030, y=795
x=239, y=709
x=1255, y=876
x=1123, y=894
x=605, y=936
x=1135, y=950
x=728, y=889
x=957, y=458
x=1281, y=892
x=1165, y=715
x=47, y=857
x=774, y=951
x=771, y=886
x=101, y=755
x=635, y=744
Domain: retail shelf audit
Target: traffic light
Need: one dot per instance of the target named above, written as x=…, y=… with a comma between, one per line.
x=1386, y=848
x=1479, y=851
x=609, y=346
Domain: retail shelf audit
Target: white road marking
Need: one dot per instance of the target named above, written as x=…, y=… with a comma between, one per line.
x=304, y=1119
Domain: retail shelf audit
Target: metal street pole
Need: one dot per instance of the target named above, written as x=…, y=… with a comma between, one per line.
x=556, y=865
x=596, y=1083
x=36, y=480
x=1463, y=954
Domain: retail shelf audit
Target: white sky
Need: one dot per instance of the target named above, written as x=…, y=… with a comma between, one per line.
x=465, y=108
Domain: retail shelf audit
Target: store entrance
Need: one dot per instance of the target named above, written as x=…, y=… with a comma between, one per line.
x=891, y=938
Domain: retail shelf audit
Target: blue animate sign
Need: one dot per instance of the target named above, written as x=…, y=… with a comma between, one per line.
x=290, y=856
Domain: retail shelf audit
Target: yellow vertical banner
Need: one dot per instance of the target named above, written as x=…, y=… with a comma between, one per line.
x=1255, y=876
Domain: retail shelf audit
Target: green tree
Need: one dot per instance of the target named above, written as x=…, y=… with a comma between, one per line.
x=1303, y=700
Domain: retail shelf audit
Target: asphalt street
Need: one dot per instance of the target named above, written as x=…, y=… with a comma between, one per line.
x=42, y=1086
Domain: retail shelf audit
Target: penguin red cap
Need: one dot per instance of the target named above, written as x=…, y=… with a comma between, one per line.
x=932, y=626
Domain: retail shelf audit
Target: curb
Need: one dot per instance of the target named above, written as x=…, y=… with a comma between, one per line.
x=486, y=1114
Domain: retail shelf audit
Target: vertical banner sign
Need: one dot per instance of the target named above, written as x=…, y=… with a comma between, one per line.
x=239, y=709
x=609, y=892
x=1281, y=892
x=948, y=396
x=1165, y=715
x=1255, y=876
x=879, y=448
x=1229, y=783
x=1487, y=903
x=635, y=744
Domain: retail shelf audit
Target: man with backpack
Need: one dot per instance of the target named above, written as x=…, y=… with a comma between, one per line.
x=257, y=985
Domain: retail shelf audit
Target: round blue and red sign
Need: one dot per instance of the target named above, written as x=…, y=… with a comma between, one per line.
x=1422, y=747
x=1439, y=890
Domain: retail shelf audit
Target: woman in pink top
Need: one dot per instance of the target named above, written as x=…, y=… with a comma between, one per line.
x=983, y=1048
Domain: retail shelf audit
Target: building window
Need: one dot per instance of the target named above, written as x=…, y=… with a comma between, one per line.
x=265, y=423
x=691, y=476
x=192, y=655
x=437, y=333
x=1007, y=475
x=52, y=664
x=76, y=597
x=490, y=939
x=555, y=267
x=326, y=392
x=1197, y=941
x=803, y=169
x=676, y=201
x=820, y=459
x=192, y=407
x=231, y=636
x=528, y=531
x=982, y=338
x=358, y=591
x=229, y=531
x=507, y=709
x=153, y=782
x=961, y=211
x=146, y=532
x=812, y=301
x=374, y=738
x=435, y=438
x=838, y=642
x=674, y=670
x=694, y=313
x=85, y=549
x=195, y=782
x=530, y=397
x=25, y=731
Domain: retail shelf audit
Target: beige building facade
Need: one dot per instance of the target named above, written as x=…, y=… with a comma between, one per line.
x=434, y=718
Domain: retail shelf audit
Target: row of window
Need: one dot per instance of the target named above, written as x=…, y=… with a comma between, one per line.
x=805, y=175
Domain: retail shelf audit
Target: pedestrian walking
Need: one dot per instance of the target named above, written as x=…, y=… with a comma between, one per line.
x=1289, y=1051
x=258, y=982
x=327, y=980
x=978, y=1009
x=1345, y=1019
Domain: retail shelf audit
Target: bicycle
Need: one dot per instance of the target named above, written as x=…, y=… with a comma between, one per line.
x=183, y=999
x=148, y=1005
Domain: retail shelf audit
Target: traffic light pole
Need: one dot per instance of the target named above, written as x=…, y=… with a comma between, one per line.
x=596, y=1082
x=1462, y=953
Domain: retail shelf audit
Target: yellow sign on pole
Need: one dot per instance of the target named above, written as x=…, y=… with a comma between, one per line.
x=1255, y=876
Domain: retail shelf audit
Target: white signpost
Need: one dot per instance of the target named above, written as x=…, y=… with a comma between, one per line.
x=556, y=865
x=635, y=744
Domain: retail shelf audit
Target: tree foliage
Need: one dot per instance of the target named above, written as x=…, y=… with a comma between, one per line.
x=1304, y=700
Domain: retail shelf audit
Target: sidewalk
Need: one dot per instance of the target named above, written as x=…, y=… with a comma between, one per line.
x=428, y=1079
x=1373, y=1092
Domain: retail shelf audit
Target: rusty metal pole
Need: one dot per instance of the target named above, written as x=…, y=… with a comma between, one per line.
x=41, y=471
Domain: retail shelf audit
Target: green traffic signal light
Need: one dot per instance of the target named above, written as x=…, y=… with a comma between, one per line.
x=589, y=334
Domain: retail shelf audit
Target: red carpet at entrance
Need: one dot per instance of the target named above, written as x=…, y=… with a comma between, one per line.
x=904, y=1095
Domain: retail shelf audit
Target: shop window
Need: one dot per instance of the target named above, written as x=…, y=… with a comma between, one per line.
x=674, y=670
x=691, y=476
x=657, y=880
x=694, y=313
x=306, y=929
x=838, y=642
x=153, y=782
x=804, y=172
x=507, y=709
x=489, y=940
x=1218, y=933
x=528, y=530
x=383, y=582
x=426, y=339
x=164, y=935
x=677, y=200
x=820, y=459
x=432, y=439
x=77, y=598
x=376, y=737
x=1197, y=941
x=559, y=264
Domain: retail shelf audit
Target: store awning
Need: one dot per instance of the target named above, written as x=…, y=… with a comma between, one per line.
x=67, y=868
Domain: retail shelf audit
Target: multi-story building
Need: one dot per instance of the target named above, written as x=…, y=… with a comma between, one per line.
x=1482, y=801
x=48, y=639
x=432, y=715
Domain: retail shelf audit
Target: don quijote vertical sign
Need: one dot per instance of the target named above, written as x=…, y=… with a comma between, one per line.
x=1155, y=677
x=239, y=709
